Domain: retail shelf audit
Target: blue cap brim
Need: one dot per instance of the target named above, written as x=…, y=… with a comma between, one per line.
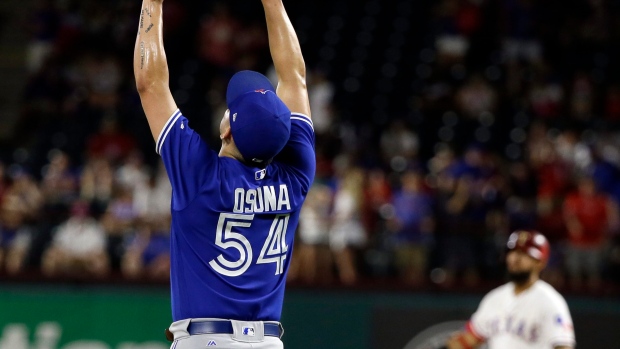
x=246, y=81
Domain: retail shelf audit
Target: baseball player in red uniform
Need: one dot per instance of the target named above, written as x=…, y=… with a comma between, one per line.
x=525, y=313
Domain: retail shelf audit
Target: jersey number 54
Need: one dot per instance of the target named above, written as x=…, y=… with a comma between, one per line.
x=273, y=251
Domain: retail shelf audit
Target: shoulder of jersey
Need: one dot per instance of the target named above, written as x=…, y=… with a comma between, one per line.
x=505, y=288
x=498, y=293
x=548, y=293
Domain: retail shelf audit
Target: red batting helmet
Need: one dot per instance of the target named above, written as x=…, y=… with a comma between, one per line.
x=531, y=242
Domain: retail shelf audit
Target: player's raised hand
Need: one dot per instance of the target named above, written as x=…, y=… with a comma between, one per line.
x=151, y=67
x=287, y=58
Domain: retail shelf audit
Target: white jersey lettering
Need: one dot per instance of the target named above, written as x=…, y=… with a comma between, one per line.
x=258, y=203
x=239, y=200
x=283, y=199
x=270, y=198
x=261, y=200
x=250, y=200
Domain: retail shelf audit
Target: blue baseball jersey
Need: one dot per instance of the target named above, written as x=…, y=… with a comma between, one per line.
x=233, y=225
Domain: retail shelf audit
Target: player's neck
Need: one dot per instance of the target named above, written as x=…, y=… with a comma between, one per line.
x=226, y=153
x=524, y=286
x=230, y=152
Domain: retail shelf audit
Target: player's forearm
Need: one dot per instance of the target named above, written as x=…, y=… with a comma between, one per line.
x=463, y=340
x=283, y=43
x=149, y=61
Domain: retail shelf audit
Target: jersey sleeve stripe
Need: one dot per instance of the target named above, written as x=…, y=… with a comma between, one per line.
x=166, y=130
x=302, y=117
x=469, y=327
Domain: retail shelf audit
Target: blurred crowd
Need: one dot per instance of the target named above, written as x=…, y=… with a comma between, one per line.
x=511, y=124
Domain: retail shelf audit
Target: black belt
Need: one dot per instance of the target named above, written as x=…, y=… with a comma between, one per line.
x=226, y=327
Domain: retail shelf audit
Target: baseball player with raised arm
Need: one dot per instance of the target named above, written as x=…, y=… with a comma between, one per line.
x=234, y=213
x=526, y=313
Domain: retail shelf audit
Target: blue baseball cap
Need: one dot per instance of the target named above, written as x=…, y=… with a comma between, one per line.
x=259, y=121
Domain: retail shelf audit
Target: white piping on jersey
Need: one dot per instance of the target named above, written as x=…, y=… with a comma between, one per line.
x=302, y=117
x=177, y=113
x=166, y=130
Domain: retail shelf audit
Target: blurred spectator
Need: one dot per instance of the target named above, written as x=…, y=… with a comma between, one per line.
x=546, y=98
x=455, y=22
x=97, y=183
x=174, y=13
x=572, y=151
x=613, y=268
x=412, y=225
x=595, y=29
x=217, y=103
x=582, y=98
x=78, y=247
x=25, y=195
x=312, y=261
x=102, y=77
x=520, y=18
x=99, y=18
x=471, y=164
x=47, y=94
x=377, y=210
x=250, y=42
x=43, y=25
x=148, y=253
x=475, y=97
x=552, y=175
x=605, y=174
x=254, y=38
x=4, y=183
x=347, y=233
x=217, y=37
x=110, y=143
x=118, y=223
x=59, y=184
x=133, y=172
x=521, y=203
x=442, y=160
x=321, y=92
x=71, y=26
x=377, y=194
x=612, y=104
x=453, y=229
x=399, y=143
x=15, y=236
x=553, y=178
x=151, y=200
x=436, y=94
x=590, y=217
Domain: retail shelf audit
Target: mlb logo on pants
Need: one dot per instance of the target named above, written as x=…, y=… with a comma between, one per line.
x=248, y=331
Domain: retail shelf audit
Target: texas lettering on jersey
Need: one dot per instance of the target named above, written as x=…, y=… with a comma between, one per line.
x=521, y=328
